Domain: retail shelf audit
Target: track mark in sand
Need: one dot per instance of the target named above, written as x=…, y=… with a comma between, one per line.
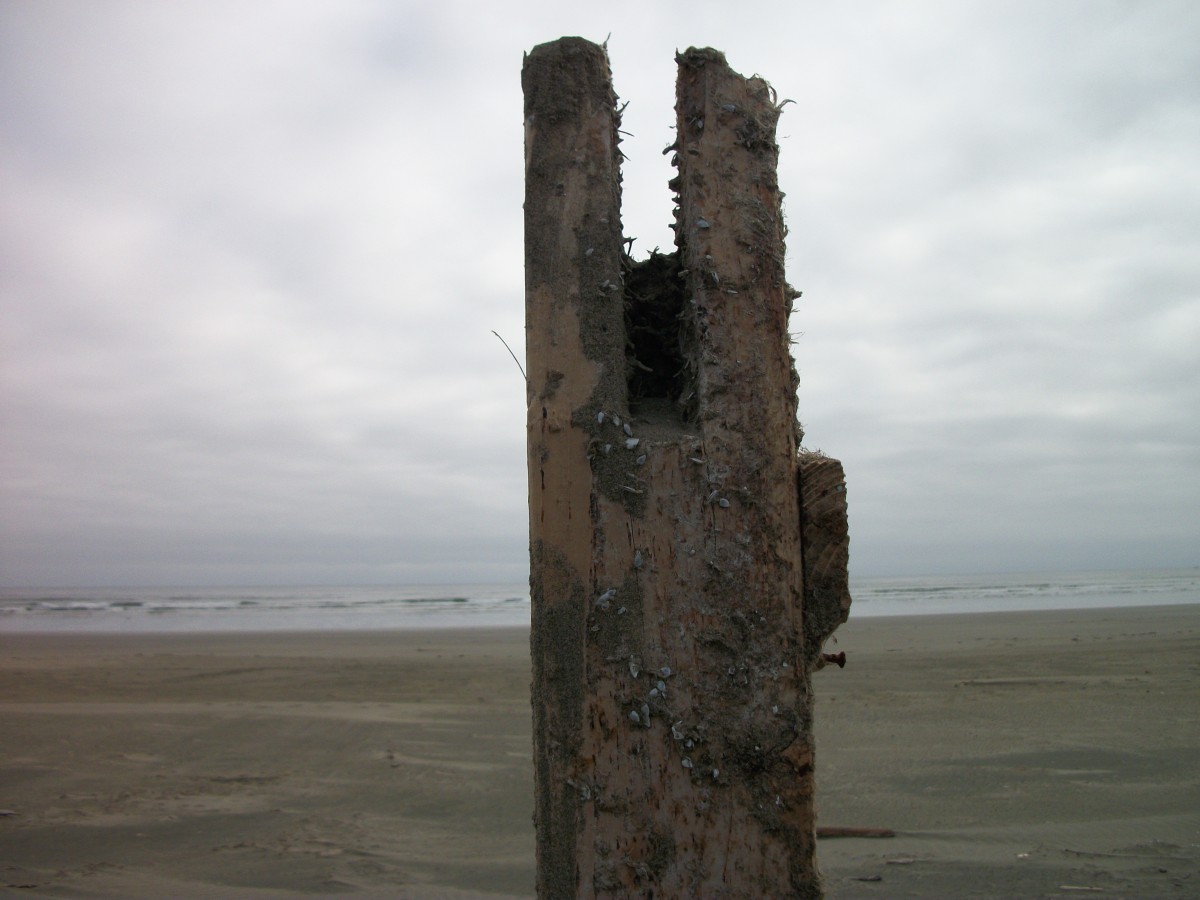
x=245, y=779
x=397, y=759
x=148, y=758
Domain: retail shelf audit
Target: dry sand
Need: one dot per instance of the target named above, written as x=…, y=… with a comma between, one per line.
x=1016, y=755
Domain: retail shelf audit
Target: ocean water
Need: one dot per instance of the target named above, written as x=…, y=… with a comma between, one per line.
x=363, y=608
x=475, y=605
x=1030, y=591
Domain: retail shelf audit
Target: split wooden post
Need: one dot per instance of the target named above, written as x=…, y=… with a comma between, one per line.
x=671, y=694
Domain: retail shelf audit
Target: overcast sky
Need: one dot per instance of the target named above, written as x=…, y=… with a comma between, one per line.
x=252, y=253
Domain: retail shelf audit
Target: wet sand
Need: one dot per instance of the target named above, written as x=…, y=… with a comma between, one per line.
x=1015, y=755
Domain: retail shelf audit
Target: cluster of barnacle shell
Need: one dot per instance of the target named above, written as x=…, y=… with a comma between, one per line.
x=631, y=442
x=604, y=603
x=642, y=715
x=688, y=744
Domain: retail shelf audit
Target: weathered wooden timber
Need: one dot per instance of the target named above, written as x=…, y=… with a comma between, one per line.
x=671, y=694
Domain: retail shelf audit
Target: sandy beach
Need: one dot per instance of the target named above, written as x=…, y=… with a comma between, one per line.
x=1050, y=754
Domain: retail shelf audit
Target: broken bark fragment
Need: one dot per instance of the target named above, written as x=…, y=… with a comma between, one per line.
x=825, y=535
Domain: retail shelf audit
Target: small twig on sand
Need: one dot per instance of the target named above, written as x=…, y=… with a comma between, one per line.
x=836, y=831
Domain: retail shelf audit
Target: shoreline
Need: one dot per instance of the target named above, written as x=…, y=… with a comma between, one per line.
x=1012, y=753
x=404, y=607
x=459, y=626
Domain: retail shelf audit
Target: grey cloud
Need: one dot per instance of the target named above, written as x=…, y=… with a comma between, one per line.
x=254, y=255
